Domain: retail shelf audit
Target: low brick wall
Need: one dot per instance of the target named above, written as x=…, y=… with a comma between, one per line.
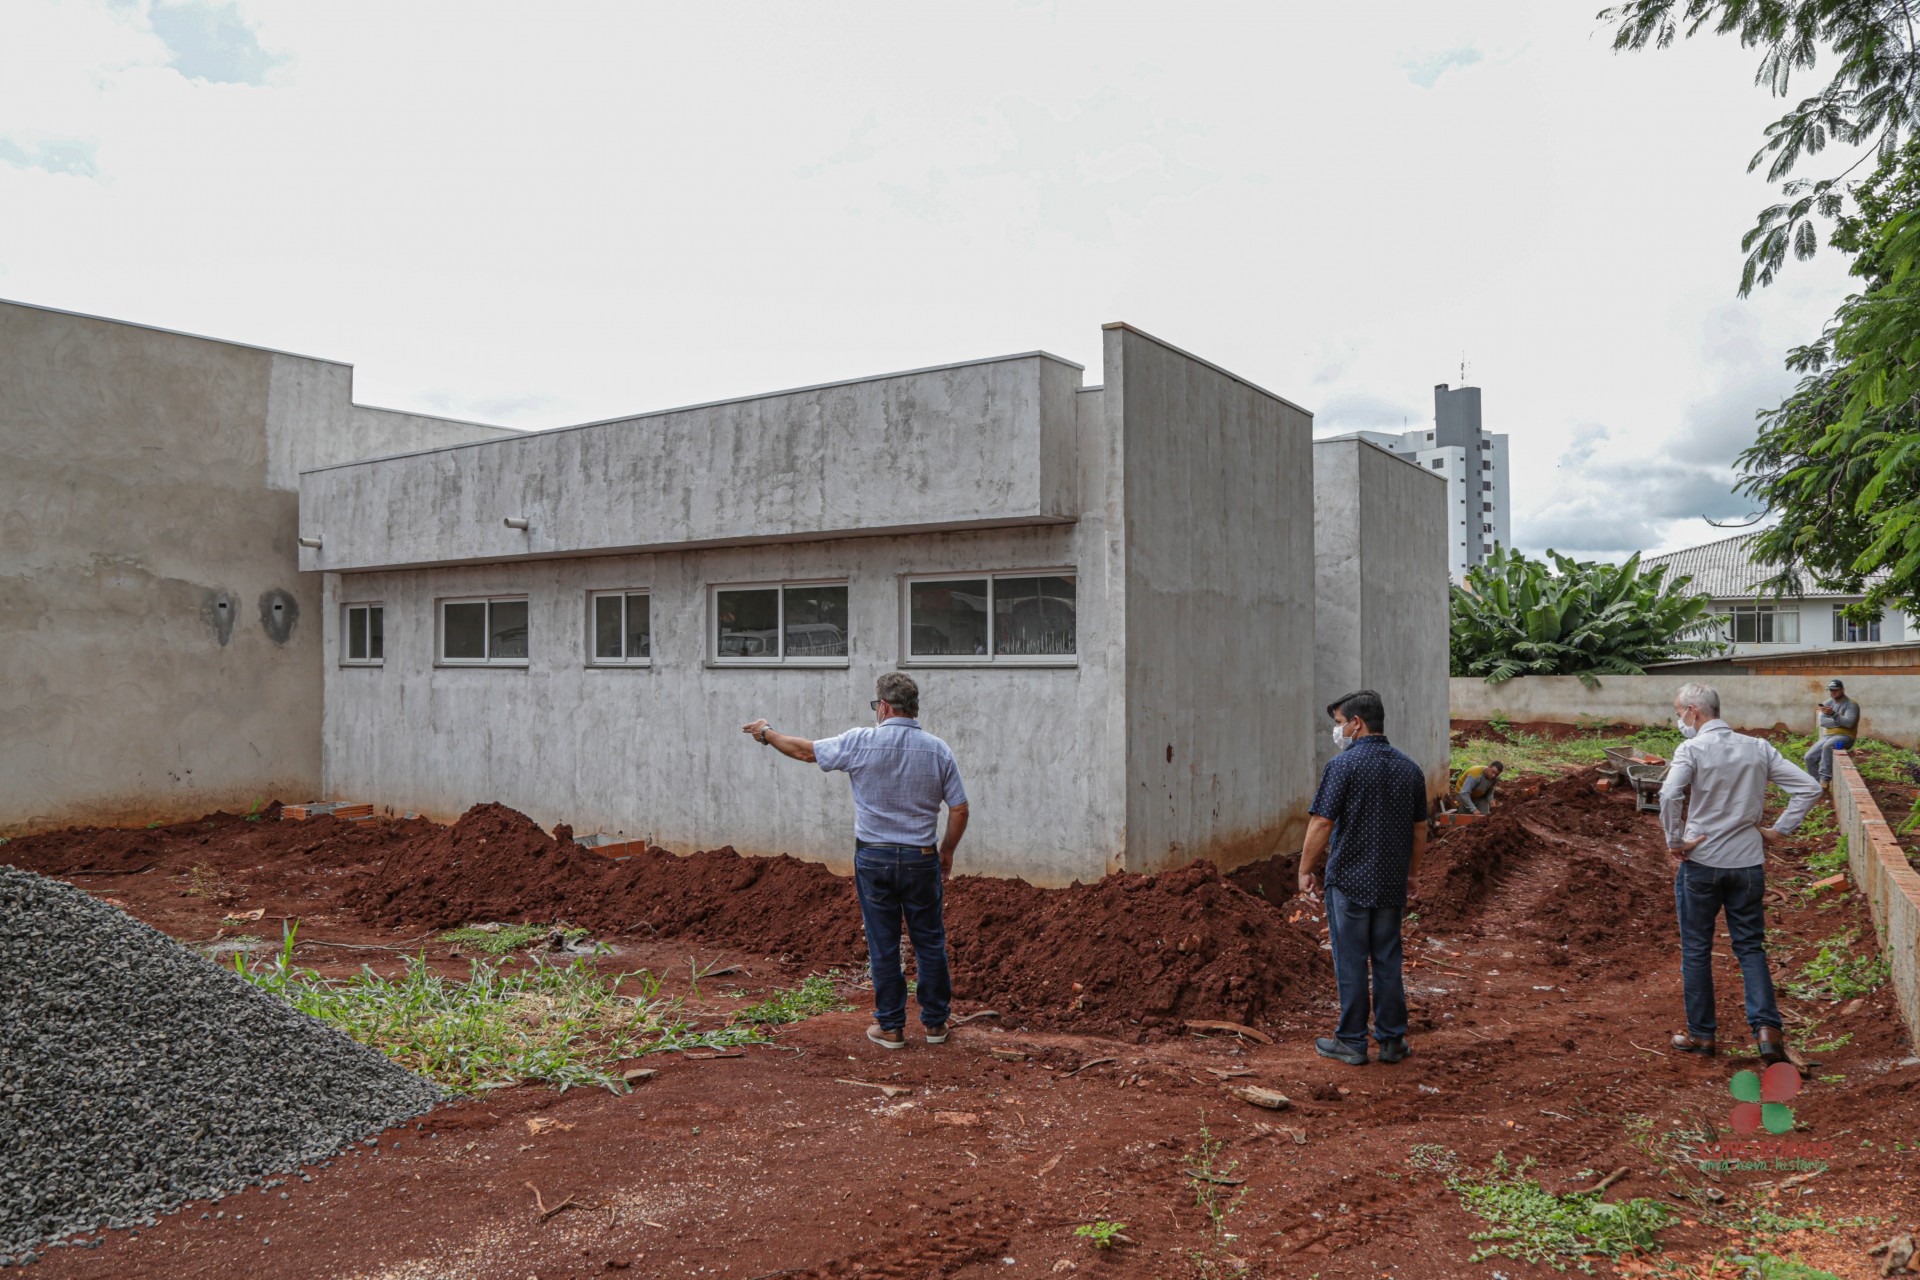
x=1881, y=872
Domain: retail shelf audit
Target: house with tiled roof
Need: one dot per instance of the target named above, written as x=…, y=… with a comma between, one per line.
x=1754, y=623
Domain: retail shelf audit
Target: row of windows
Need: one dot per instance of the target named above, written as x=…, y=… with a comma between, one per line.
x=1780, y=624
x=1014, y=619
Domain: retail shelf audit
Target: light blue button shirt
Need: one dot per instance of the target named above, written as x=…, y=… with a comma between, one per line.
x=901, y=774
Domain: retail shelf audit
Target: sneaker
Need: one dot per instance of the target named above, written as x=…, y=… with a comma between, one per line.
x=894, y=1039
x=1394, y=1050
x=939, y=1034
x=1339, y=1051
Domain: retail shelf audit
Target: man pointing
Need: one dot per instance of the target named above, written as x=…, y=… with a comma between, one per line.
x=901, y=776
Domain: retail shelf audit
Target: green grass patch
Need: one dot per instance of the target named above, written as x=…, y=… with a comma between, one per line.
x=814, y=995
x=499, y=939
x=1528, y=1223
x=1828, y=861
x=562, y=1025
x=1836, y=972
x=1884, y=762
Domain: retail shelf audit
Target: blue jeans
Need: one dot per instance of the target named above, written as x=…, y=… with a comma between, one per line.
x=896, y=882
x=1819, y=758
x=1363, y=938
x=1701, y=893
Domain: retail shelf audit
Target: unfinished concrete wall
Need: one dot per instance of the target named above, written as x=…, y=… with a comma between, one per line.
x=1218, y=599
x=1890, y=705
x=976, y=445
x=657, y=751
x=159, y=648
x=1381, y=585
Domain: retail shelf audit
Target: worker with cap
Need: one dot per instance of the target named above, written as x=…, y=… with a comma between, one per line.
x=1839, y=724
x=1475, y=786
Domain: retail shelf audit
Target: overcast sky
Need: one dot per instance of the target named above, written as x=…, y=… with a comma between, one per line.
x=537, y=214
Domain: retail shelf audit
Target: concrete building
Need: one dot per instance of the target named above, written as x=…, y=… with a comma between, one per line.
x=1473, y=462
x=1106, y=593
x=159, y=647
x=1754, y=624
x=1380, y=596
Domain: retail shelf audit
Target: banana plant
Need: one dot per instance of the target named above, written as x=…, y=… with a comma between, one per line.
x=1564, y=617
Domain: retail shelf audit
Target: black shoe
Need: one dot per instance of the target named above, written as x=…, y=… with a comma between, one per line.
x=1394, y=1050
x=1340, y=1051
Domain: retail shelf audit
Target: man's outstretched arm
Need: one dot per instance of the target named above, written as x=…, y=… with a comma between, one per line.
x=785, y=743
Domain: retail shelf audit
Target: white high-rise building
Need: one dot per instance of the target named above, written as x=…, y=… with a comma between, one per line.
x=1475, y=465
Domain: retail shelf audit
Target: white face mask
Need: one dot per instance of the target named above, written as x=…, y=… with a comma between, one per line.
x=1686, y=730
x=1340, y=739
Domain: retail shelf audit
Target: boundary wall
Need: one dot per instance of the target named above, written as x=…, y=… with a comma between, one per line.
x=1890, y=705
x=1881, y=872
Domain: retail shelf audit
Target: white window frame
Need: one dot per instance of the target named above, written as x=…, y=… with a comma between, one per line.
x=1768, y=609
x=714, y=657
x=989, y=659
x=347, y=608
x=626, y=660
x=440, y=658
x=1841, y=626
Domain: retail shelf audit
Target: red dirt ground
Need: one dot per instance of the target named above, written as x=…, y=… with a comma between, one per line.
x=1542, y=972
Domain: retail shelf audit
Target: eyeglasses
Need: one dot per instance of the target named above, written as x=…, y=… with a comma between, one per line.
x=874, y=705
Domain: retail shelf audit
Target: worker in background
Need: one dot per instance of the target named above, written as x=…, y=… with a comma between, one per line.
x=1371, y=809
x=1839, y=723
x=1713, y=808
x=1476, y=784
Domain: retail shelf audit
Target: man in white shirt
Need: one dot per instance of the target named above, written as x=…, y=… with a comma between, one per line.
x=1712, y=806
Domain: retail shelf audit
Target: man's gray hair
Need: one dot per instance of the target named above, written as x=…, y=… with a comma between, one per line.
x=897, y=690
x=1703, y=696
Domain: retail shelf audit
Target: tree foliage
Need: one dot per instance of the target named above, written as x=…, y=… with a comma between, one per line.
x=1870, y=100
x=1839, y=461
x=1515, y=616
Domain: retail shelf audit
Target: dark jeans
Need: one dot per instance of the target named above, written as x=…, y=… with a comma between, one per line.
x=895, y=882
x=1363, y=937
x=1701, y=893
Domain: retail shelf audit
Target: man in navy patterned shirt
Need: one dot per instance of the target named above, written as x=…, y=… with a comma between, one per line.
x=1372, y=808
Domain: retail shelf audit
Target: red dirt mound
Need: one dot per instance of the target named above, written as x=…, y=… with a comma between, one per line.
x=495, y=864
x=1145, y=951
x=1463, y=863
x=1131, y=950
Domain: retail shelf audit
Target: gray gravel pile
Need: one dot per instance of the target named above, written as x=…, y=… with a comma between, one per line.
x=135, y=1074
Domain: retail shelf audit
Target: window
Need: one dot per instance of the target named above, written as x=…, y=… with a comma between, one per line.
x=484, y=632
x=1846, y=631
x=1015, y=618
x=799, y=624
x=1486, y=506
x=1439, y=463
x=363, y=642
x=1486, y=528
x=1486, y=486
x=1429, y=435
x=1485, y=465
x=620, y=630
x=1765, y=623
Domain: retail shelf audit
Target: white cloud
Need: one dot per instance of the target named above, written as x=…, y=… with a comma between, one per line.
x=581, y=210
x=210, y=42
x=1426, y=71
x=55, y=155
